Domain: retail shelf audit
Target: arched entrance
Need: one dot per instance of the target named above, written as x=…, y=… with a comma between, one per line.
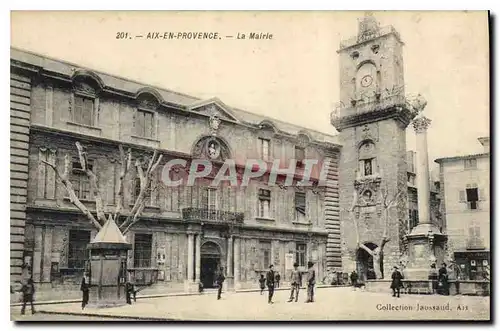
x=210, y=264
x=364, y=263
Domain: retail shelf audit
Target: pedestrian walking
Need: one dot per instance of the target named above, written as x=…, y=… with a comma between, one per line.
x=443, y=280
x=28, y=290
x=262, y=283
x=311, y=281
x=296, y=283
x=277, y=278
x=84, y=287
x=397, y=282
x=354, y=279
x=220, y=282
x=433, y=277
x=270, y=284
x=129, y=290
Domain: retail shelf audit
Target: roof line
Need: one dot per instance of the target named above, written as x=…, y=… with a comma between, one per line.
x=265, y=117
x=106, y=73
x=197, y=99
x=460, y=157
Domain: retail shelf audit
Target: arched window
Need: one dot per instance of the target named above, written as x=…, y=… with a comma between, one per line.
x=367, y=159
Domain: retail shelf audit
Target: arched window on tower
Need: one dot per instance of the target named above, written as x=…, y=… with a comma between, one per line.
x=367, y=160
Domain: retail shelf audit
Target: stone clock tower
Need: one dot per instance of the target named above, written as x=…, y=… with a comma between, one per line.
x=372, y=116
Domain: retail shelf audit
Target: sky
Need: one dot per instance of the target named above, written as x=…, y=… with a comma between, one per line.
x=295, y=76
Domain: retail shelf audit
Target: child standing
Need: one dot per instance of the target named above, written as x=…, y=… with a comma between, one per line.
x=262, y=283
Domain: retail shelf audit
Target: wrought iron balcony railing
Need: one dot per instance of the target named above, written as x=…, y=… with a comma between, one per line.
x=212, y=215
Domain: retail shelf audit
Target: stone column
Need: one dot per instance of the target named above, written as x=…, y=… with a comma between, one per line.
x=236, y=263
x=421, y=125
x=229, y=264
x=198, y=258
x=425, y=241
x=190, y=261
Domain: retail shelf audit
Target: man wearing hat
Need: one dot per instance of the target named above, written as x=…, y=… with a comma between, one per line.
x=270, y=283
x=311, y=281
x=397, y=282
x=296, y=283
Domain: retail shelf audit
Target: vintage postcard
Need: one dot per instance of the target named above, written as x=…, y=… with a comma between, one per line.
x=250, y=166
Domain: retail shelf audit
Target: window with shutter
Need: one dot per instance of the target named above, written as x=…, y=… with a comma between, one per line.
x=470, y=164
x=80, y=180
x=300, y=254
x=300, y=204
x=77, y=248
x=361, y=167
x=137, y=190
x=472, y=196
x=145, y=124
x=264, y=203
x=264, y=149
x=265, y=254
x=212, y=198
x=84, y=110
x=482, y=196
x=461, y=195
x=143, y=246
x=300, y=155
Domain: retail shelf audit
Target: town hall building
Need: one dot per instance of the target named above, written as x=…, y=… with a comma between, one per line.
x=189, y=233
x=186, y=232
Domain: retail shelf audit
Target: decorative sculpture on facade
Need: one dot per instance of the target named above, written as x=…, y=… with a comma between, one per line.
x=416, y=103
x=214, y=123
x=421, y=124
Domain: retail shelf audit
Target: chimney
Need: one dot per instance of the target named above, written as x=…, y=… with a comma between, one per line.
x=485, y=141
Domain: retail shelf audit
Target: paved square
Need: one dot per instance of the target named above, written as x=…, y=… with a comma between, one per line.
x=331, y=304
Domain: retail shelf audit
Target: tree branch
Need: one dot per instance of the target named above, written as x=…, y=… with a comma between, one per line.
x=135, y=217
x=71, y=192
x=351, y=212
x=94, y=182
x=145, y=184
x=369, y=251
x=153, y=169
x=394, y=201
x=125, y=161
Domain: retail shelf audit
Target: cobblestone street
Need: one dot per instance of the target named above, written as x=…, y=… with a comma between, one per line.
x=331, y=304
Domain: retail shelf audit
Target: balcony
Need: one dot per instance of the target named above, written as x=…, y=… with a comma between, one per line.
x=212, y=216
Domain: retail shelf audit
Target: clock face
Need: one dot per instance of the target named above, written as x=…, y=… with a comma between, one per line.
x=366, y=81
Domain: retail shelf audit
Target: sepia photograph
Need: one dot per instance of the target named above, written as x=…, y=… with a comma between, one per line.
x=179, y=166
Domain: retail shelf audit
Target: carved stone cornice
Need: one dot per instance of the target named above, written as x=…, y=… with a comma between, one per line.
x=400, y=113
x=421, y=124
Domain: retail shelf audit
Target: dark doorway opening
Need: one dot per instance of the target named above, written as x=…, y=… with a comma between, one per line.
x=210, y=264
x=209, y=268
x=364, y=263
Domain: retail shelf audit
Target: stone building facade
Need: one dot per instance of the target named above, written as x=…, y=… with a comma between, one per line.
x=465, y=192
x=187, y=233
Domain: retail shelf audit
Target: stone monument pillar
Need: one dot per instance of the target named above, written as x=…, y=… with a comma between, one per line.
x=425, y=242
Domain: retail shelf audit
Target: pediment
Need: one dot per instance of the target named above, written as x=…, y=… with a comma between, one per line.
x=214, y=107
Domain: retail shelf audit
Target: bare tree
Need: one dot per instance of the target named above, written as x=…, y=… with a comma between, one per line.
x=378, y=252
x=145, y=178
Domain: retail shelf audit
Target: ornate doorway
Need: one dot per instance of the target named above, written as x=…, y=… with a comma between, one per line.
x=364, y=263
x=210, y=264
